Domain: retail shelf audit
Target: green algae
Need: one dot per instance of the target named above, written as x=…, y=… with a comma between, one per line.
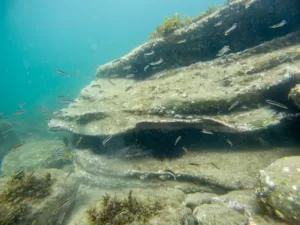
x=18, y=193
x=123, y=211
x=176, y=22
x=169, y=26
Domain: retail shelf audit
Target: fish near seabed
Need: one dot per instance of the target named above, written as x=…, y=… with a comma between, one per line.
x=248, y=3
x=177, y=140
x=62, y=73
x=223, y=51
x=219, y=23
x=232, y=28
x=281, y=24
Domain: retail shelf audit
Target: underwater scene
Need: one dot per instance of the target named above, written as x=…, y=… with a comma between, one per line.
x=150, y=112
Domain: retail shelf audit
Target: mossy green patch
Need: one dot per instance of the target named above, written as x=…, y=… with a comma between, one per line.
x=123, y=211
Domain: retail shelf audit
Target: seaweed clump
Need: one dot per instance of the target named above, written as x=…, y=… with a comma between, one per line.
x=175, y=22
x=170, y=25
x=120, y=212
x=18, y=193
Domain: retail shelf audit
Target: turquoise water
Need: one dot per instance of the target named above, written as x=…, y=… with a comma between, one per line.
x=40, y=36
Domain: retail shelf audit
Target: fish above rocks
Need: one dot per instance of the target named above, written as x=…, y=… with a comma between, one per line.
x=133, y=151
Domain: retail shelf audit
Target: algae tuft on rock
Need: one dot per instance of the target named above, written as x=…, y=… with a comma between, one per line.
x=117, y=211
x=19, y=193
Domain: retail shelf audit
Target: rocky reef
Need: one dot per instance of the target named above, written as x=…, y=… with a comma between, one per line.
x=187, y=86
x=172, y=119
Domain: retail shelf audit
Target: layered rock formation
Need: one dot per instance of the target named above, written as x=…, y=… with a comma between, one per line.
x=227, y=94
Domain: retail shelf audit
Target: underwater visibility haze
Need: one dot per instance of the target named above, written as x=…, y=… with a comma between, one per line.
x=150, y=112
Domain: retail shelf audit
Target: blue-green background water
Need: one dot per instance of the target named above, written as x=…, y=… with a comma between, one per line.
x=38, y=36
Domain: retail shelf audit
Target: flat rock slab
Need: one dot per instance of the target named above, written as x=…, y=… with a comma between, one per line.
x=201, y=95
x=34, y=155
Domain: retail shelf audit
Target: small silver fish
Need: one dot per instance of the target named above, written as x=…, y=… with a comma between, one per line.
x=233, y=105
x=281, y=24
x=146, y=67
x=249, y=3
x=149, y=53
x=60, y=205
x=223, y=51
x=229, y=142
x=112, y=83
x=185, y=150
x=171, y=173
x=276, y=104
x=62, y=73
x=129, y=75
x=181, y=41
x=233, y=27
x=127, y=67
x=132, y=93
x=68, y=175
x=177, y=140
x=21, y=170
x=78, y=142
x=204, y=131
x=218, y=24
x=68, y=101
x=107, y=140
x=160, y=61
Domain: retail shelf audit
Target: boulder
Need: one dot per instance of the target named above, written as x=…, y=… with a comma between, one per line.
x=33, y=156
x=210, y=214
x=295, y=95
x=279, y=188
